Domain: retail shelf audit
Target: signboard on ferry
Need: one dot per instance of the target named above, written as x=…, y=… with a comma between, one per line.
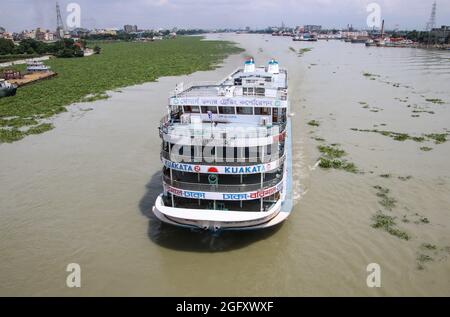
x=224, y=196
x=228, y=170
x=228, y=102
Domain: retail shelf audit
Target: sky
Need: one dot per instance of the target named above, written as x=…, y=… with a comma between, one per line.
x=17, y=15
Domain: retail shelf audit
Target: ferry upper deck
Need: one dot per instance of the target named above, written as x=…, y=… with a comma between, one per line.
x=250, y=97
x=250, y=81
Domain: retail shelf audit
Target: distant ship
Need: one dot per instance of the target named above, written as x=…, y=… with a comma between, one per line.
x=306, y=37
x=226, y=151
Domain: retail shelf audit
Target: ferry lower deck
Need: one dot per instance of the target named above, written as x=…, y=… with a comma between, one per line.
x=216, y=215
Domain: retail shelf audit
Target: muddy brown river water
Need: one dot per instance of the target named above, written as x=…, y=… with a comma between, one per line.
x=82, y=193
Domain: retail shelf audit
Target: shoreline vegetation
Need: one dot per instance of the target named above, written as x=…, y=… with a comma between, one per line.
x=120, y=64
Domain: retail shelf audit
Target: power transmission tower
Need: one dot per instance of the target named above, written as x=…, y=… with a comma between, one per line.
x=432, y=22
x=60, y=29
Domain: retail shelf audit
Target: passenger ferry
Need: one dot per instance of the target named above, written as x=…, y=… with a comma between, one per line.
x=226, y=151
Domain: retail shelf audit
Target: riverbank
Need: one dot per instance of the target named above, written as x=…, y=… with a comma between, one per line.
x=119, y=65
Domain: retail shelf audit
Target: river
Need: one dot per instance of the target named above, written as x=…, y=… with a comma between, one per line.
x=82, y=193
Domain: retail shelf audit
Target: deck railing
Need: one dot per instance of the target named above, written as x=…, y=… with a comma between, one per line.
x=240, y=188
x=224, y=132
x=205, y=160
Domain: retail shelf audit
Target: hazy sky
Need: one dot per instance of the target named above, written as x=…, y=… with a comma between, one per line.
x=16, y=15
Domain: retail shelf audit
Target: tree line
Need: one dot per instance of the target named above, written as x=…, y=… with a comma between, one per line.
x=64, y=48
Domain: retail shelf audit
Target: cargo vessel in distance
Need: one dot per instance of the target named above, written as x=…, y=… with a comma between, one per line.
x=227, y=151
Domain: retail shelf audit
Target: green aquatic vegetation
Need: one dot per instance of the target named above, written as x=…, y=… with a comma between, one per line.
x=14, y=134
x=422, y=259
x=331, y=152
x=319, y=139
x=423, y=111
x=385, y=175
x=366, y=74
x=328, y=164
x=388, y=224
x=363, y=103
x=44, y=127
x=349, y=167
x=405, y=178
x=95, y=97
x=314, y=123
x=11, y=135
x=386, y=201
x=338, y=164
x=403, y=136
x=438, y=138
x=305, y=50
x=435, y=101
x=331, y=159
x=17, y=122
x=119, y=65
x=423, y=220
x=418, y=139
x=426, y=149
x=292, y=49
x=382, y=221
x=429, y=246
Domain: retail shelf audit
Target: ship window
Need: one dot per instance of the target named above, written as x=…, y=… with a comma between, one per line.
x=245, y=110
x=260, y=91
x=248, y=91
x=227, y=110
x=263, y=111
x=191, y=109
x=206, y=109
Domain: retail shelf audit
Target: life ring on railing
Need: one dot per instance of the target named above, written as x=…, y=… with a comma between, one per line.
x=213, y=179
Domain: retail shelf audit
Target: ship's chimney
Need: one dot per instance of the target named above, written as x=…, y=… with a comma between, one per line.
x=249, y=66
x=274, y=68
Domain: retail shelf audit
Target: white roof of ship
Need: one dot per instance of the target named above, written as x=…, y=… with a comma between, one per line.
x=280, y=79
